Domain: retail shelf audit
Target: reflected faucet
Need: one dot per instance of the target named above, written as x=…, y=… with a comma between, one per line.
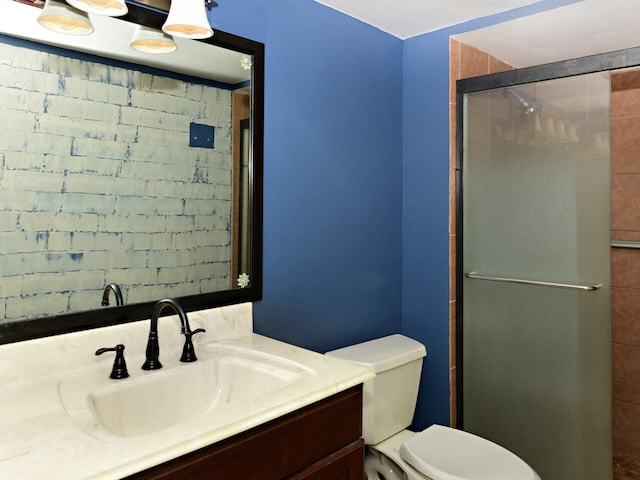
x=116, y=291
x=152, y=361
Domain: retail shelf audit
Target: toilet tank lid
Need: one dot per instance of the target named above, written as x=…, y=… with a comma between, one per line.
x=383, y=353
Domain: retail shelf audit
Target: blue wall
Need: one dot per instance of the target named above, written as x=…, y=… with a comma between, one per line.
x=333, y=176
x=426, y=224
x=356, y=180
x=333, y=186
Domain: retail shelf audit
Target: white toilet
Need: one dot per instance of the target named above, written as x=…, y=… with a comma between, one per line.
x=437, y=453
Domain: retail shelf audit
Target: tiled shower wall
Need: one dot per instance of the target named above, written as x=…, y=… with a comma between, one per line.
x=625, y=271
x=98, y=184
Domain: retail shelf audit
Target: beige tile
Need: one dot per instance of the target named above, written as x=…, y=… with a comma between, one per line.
x=454, y=68
x=452, y=134
x=625, y=235
x=625, y=144
x=452, y=202
x=626, y=468
x=496, y=65
x=452, y=333
x=625, y=267
x=452, y=362
x=452, y=267
x=625, y=202
x=625, y=373
x=625, y=92
x=453, y=418
x=473, y=62
x=625, y=316
x=626, y=429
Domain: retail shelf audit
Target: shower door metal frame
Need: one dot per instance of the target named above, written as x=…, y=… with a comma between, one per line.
x=568, y=68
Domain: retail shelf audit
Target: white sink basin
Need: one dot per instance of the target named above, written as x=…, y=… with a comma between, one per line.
x=179, y=393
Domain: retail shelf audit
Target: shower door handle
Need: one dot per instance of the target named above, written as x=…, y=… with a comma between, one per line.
x=584, y=288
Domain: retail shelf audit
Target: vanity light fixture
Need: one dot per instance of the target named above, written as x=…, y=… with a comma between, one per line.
x=188, y=19
x=149, y=40
x=109, y=8
x=60, y=17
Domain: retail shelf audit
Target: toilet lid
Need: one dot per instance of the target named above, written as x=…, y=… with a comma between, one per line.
x=443, y=453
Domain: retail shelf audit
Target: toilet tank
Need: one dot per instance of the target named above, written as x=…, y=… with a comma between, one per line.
x=389, y=399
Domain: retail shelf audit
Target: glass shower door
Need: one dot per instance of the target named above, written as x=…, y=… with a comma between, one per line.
x=536, y=265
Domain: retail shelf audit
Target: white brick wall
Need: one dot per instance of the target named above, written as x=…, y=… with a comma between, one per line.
x=98, y=184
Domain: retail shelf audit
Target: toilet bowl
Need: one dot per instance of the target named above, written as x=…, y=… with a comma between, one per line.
x=436, y=453
x=383, y=461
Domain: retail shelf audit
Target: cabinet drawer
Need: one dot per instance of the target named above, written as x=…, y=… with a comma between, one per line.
x=347, y=464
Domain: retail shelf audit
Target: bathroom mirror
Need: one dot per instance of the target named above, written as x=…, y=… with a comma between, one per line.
x=137, y=169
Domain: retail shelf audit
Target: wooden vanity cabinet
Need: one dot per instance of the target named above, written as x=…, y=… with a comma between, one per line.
x=318, y=442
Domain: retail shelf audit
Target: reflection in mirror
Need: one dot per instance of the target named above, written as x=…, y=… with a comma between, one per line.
x=129, y=174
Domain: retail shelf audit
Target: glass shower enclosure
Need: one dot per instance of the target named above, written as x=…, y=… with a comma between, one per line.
x=535, y=207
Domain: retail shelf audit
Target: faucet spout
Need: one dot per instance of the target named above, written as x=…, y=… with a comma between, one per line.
x=152, y=361
x=175, y=306
x=115, y=288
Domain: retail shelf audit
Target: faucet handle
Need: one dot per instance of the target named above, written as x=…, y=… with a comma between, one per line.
x=119, y=369
x=188, y=352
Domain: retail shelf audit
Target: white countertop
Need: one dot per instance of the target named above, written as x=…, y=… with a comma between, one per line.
x=39, y=440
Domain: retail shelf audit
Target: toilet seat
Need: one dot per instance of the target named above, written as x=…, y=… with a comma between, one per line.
x=445, y=453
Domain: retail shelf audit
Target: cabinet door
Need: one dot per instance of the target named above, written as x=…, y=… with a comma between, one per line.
x=345, y=464
x=277, y=449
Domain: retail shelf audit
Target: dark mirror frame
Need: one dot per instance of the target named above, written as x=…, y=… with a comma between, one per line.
x=73, y=322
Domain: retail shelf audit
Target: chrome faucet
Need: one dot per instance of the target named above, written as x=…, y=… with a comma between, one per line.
x=116, y=291
x=152, y=361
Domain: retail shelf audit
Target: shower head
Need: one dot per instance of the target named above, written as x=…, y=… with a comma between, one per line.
x=527, y=108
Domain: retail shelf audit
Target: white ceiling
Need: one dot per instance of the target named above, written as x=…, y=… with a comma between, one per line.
x=583, y=28
x=408, y=18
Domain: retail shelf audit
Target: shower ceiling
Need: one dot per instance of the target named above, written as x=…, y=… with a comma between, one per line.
x=582, y=28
